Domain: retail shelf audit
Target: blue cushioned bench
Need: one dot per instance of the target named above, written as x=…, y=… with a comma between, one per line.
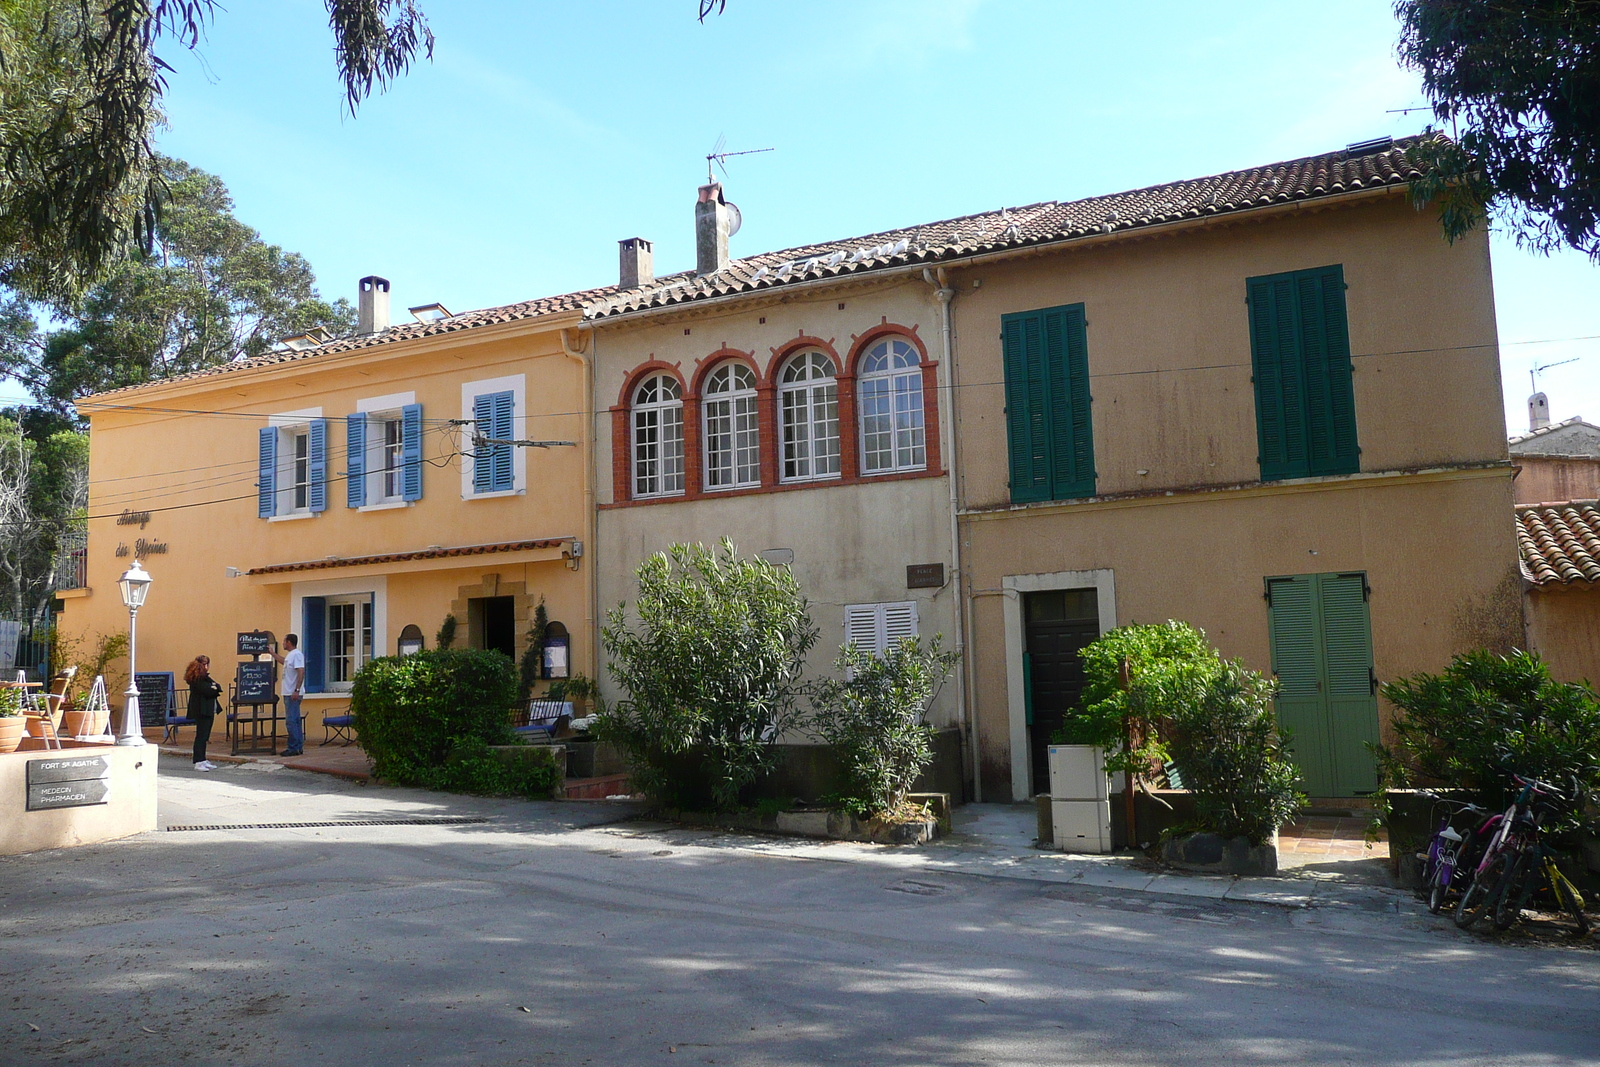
x=545, y=719
x=339, y=728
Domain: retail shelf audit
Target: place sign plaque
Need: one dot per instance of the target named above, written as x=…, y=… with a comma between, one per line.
x=68, y=782
x=925, y=576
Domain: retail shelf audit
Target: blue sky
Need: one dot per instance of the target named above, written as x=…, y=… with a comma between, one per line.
x=543, y=132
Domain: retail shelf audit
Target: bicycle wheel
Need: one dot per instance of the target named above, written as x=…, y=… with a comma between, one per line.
x=1568, y=902
x=1479, y=897
x=1509, y=895
x=1439, y=890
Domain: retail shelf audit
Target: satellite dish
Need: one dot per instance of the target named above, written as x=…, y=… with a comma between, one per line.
x=735, y=218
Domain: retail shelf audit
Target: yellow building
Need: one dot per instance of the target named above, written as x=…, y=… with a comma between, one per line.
x=354, y=492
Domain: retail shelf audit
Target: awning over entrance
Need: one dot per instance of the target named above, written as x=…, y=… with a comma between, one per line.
x=434, y=557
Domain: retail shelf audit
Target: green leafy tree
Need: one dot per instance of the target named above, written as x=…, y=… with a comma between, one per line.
x=1487, y=717
x=711, y=672
x=209, y=292
x=1518, y=84
x=81, y=86
x=876, y=718
x=44, y=488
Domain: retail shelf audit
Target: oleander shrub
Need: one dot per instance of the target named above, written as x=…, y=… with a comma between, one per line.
x=709, y=670
x=1487, y=717
x=414, y=713
x=876, y=719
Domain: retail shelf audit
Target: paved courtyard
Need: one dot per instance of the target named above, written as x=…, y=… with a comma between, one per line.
x=559, y=934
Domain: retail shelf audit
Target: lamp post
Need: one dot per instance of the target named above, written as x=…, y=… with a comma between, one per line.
x=135, y=585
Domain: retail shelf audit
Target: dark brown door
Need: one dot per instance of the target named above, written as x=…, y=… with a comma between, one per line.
x=1059, y=624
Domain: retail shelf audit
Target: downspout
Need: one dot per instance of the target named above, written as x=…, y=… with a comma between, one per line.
x=944, y=293
x=587, y=359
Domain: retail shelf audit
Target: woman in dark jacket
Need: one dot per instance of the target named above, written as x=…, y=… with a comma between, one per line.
x=203, y=693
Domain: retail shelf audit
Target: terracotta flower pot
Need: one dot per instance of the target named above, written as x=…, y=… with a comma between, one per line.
x=11, y=728
x=85, y=723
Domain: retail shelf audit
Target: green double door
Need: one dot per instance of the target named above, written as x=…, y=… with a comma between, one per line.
x=1322, y=654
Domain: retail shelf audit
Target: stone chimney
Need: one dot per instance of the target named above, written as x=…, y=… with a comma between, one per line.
x=638, y=261
x=1538, y=411
x=373, y=315
x=712, y=222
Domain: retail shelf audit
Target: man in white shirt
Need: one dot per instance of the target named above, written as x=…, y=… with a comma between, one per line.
x=293, y=688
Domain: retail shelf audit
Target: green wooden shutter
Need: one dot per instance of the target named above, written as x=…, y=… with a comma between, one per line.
x=1050, y=433
x=1276, y=362
x=1352, y=708
x=1300, y=354
x=1296, y=644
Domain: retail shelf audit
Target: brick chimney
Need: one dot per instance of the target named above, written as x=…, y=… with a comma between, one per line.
x=373, y=314
x=638, y=263
x=712, y=222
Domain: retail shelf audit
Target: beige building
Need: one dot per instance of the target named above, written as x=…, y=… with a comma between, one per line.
x=1266, y=403
x=1560, y=546
x=1556, y=462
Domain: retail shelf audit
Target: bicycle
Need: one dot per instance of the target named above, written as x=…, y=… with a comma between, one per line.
x=1450, y=855
x=1530, y=858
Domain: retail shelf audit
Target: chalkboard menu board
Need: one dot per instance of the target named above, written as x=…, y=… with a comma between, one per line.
x=155, y=696
x=255, y=643
x=253, y=684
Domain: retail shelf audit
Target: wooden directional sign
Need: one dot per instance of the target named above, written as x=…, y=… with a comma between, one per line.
x=68, y=795
x=68, y=782
x=255, y=643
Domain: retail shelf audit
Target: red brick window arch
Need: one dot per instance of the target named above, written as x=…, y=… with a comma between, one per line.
x=889, y=402
x=731, y=434
x=657, y=424
x=808, y=417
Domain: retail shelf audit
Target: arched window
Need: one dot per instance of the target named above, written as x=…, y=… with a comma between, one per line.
x=890, y=392
x=808, y=402
x=658, y=437
x=733, y=455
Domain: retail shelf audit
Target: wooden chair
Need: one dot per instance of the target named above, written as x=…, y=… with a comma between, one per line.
x=54, y=705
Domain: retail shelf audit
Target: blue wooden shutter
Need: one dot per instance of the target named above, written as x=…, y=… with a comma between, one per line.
x=317, y=471
x=491, y=468
x=355, y=445
x=314, y=641
x=1048, y=422
x=411, y=451
x=267, y=474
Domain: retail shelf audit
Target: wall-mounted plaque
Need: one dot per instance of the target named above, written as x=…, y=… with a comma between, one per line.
x=255, y=643
x=253, y=683
x=68, y=782
x=925, y=576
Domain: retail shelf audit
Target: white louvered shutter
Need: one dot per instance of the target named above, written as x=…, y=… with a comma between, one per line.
x=863, y=626
x=899, y=623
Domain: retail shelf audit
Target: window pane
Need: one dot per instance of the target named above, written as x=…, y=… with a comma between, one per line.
x=877, y=429
x=658, y=438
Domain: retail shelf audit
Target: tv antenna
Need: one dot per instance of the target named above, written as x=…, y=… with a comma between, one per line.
x=717, y=155
x=1535, y=371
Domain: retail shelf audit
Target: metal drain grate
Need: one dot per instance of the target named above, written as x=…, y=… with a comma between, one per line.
x=448, y=820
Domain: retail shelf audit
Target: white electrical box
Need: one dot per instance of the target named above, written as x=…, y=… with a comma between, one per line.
x=1081, y=825
x=1078, y=772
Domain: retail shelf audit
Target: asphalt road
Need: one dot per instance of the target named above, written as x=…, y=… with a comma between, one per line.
x=545, y=937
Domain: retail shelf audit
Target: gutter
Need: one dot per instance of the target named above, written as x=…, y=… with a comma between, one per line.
x=585, y=356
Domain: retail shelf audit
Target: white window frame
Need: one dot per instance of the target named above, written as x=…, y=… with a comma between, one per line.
x=908, y=444
x=379, y=411
x=738, y=410
x=666, y=466
x=359, y=656
x=516, y=384
x=291, y=425
x=375, y=586
x=803, y=399
x=874, y=627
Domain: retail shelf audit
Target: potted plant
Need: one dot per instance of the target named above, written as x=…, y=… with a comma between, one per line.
x=12, y=719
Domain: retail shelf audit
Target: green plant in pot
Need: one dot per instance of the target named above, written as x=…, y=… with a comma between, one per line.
x=13, y=720
x=579, y=690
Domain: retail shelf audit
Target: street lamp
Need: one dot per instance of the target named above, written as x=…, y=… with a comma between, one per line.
x=135, y=585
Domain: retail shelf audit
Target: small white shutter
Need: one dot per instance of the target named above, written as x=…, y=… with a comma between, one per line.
x=899, y=623
x=863, y=627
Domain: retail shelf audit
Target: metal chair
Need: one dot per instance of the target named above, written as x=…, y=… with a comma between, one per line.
x=339, y=728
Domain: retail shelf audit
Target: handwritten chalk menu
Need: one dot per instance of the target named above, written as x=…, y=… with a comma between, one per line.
x=253, y=683
x=68, y=782
x=255, y=643
x=155, y=696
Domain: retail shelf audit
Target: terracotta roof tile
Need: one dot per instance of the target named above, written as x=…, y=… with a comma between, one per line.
x=1560, y=542
x=1049, y=222
x=398, y=557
